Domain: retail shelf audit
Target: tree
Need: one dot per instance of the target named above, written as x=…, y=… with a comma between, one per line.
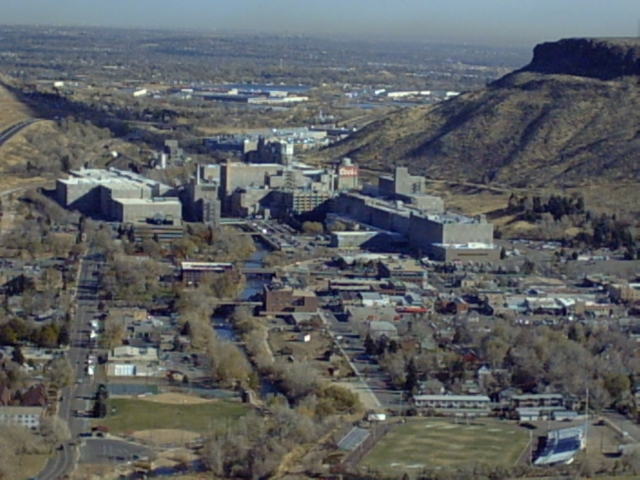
x=297, y=379
x=60, y=372
x=312, y=228
x=54, y=430
x=529, y=267
x=113, y=332
x=337, y=226
x=99, y=408
x=64, y=337
x=17, y=356
x=229, y=366
x=370, y=347
x=411, y=381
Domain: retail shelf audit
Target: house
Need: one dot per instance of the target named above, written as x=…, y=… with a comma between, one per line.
x=36, y=396
x=540, y=400
x=476, y=404
x=528, y=414
x=378, y=329
x=564, y=416
x=28, y=417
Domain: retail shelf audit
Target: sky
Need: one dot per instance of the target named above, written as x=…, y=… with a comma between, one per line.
x=487, y=21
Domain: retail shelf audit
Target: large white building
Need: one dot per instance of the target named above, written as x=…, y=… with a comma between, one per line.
x=119, y=196
x=28, y=417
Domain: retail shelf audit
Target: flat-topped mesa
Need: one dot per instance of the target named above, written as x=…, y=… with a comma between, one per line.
x=602, y=58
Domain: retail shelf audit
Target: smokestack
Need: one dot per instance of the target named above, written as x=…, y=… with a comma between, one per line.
x=198, y=170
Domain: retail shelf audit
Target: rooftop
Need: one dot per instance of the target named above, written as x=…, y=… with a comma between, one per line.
x=148, y=201
x=97, y=176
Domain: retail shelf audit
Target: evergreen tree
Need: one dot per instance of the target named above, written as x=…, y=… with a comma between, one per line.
x=370, y=347
x=17, y=355
x=411, y=381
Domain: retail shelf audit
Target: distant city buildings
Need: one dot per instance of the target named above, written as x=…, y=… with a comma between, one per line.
x=272, y=146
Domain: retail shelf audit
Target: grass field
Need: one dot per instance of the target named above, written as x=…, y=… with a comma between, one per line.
x=132, y=415
x=424, y=443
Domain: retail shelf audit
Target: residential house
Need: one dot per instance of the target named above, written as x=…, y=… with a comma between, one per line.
x=35, y=396
x=378, y=329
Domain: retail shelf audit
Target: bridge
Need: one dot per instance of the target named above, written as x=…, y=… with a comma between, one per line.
x=238, y=303
x=258, y=271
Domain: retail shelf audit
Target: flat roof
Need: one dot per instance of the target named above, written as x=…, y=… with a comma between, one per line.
x=148, y=201
x=204, y=265
x=109, y=177
x=453, y=398
x=466, y=246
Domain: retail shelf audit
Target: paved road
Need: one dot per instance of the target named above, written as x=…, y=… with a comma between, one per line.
x=373, y=378
x=624, y=423
x=76, y=397
x=98, y=450
x=7, y=133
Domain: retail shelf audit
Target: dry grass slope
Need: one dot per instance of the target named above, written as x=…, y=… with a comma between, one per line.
x=11, y=110
x=527, y=129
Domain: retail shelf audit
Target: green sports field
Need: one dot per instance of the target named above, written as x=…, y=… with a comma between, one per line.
x=426, y=443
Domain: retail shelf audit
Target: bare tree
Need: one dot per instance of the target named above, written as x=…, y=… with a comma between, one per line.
x=59, y=372
x=113, y=332
x=54, y=430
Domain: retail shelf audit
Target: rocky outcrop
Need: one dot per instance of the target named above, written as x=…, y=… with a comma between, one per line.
x=605, y=59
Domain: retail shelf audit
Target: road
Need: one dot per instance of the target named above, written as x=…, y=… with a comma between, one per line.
x=98, y=450
x=8, y=133
x=373, y=379
x=624, y=423
x=77, y=396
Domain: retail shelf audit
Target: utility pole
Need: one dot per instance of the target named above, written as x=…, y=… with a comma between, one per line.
x=586, y=421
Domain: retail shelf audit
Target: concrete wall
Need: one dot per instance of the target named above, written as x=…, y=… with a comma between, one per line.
x=140, y=212
x=444, y=254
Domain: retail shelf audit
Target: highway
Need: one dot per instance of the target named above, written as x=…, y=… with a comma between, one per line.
x=77, y=396
x=7, y=133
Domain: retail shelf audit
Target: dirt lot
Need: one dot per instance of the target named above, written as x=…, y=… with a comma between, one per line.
x=165, y=437
x=171, y=398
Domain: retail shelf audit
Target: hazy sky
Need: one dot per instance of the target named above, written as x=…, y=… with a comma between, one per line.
x=521, y=21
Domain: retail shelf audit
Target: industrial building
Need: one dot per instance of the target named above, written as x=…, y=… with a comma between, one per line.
x=423, y=222
x=119, y=196
x=269, y=188
x=201, y=196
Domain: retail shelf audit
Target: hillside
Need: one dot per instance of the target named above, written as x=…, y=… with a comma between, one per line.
x=11, y=110
x=571, y=117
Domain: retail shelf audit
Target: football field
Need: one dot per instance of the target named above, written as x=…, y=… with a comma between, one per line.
x=429, y=443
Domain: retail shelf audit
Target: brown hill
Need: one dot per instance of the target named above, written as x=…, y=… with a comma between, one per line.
x=571, y=117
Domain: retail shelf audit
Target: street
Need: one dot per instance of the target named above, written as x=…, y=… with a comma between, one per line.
x=76, y=397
